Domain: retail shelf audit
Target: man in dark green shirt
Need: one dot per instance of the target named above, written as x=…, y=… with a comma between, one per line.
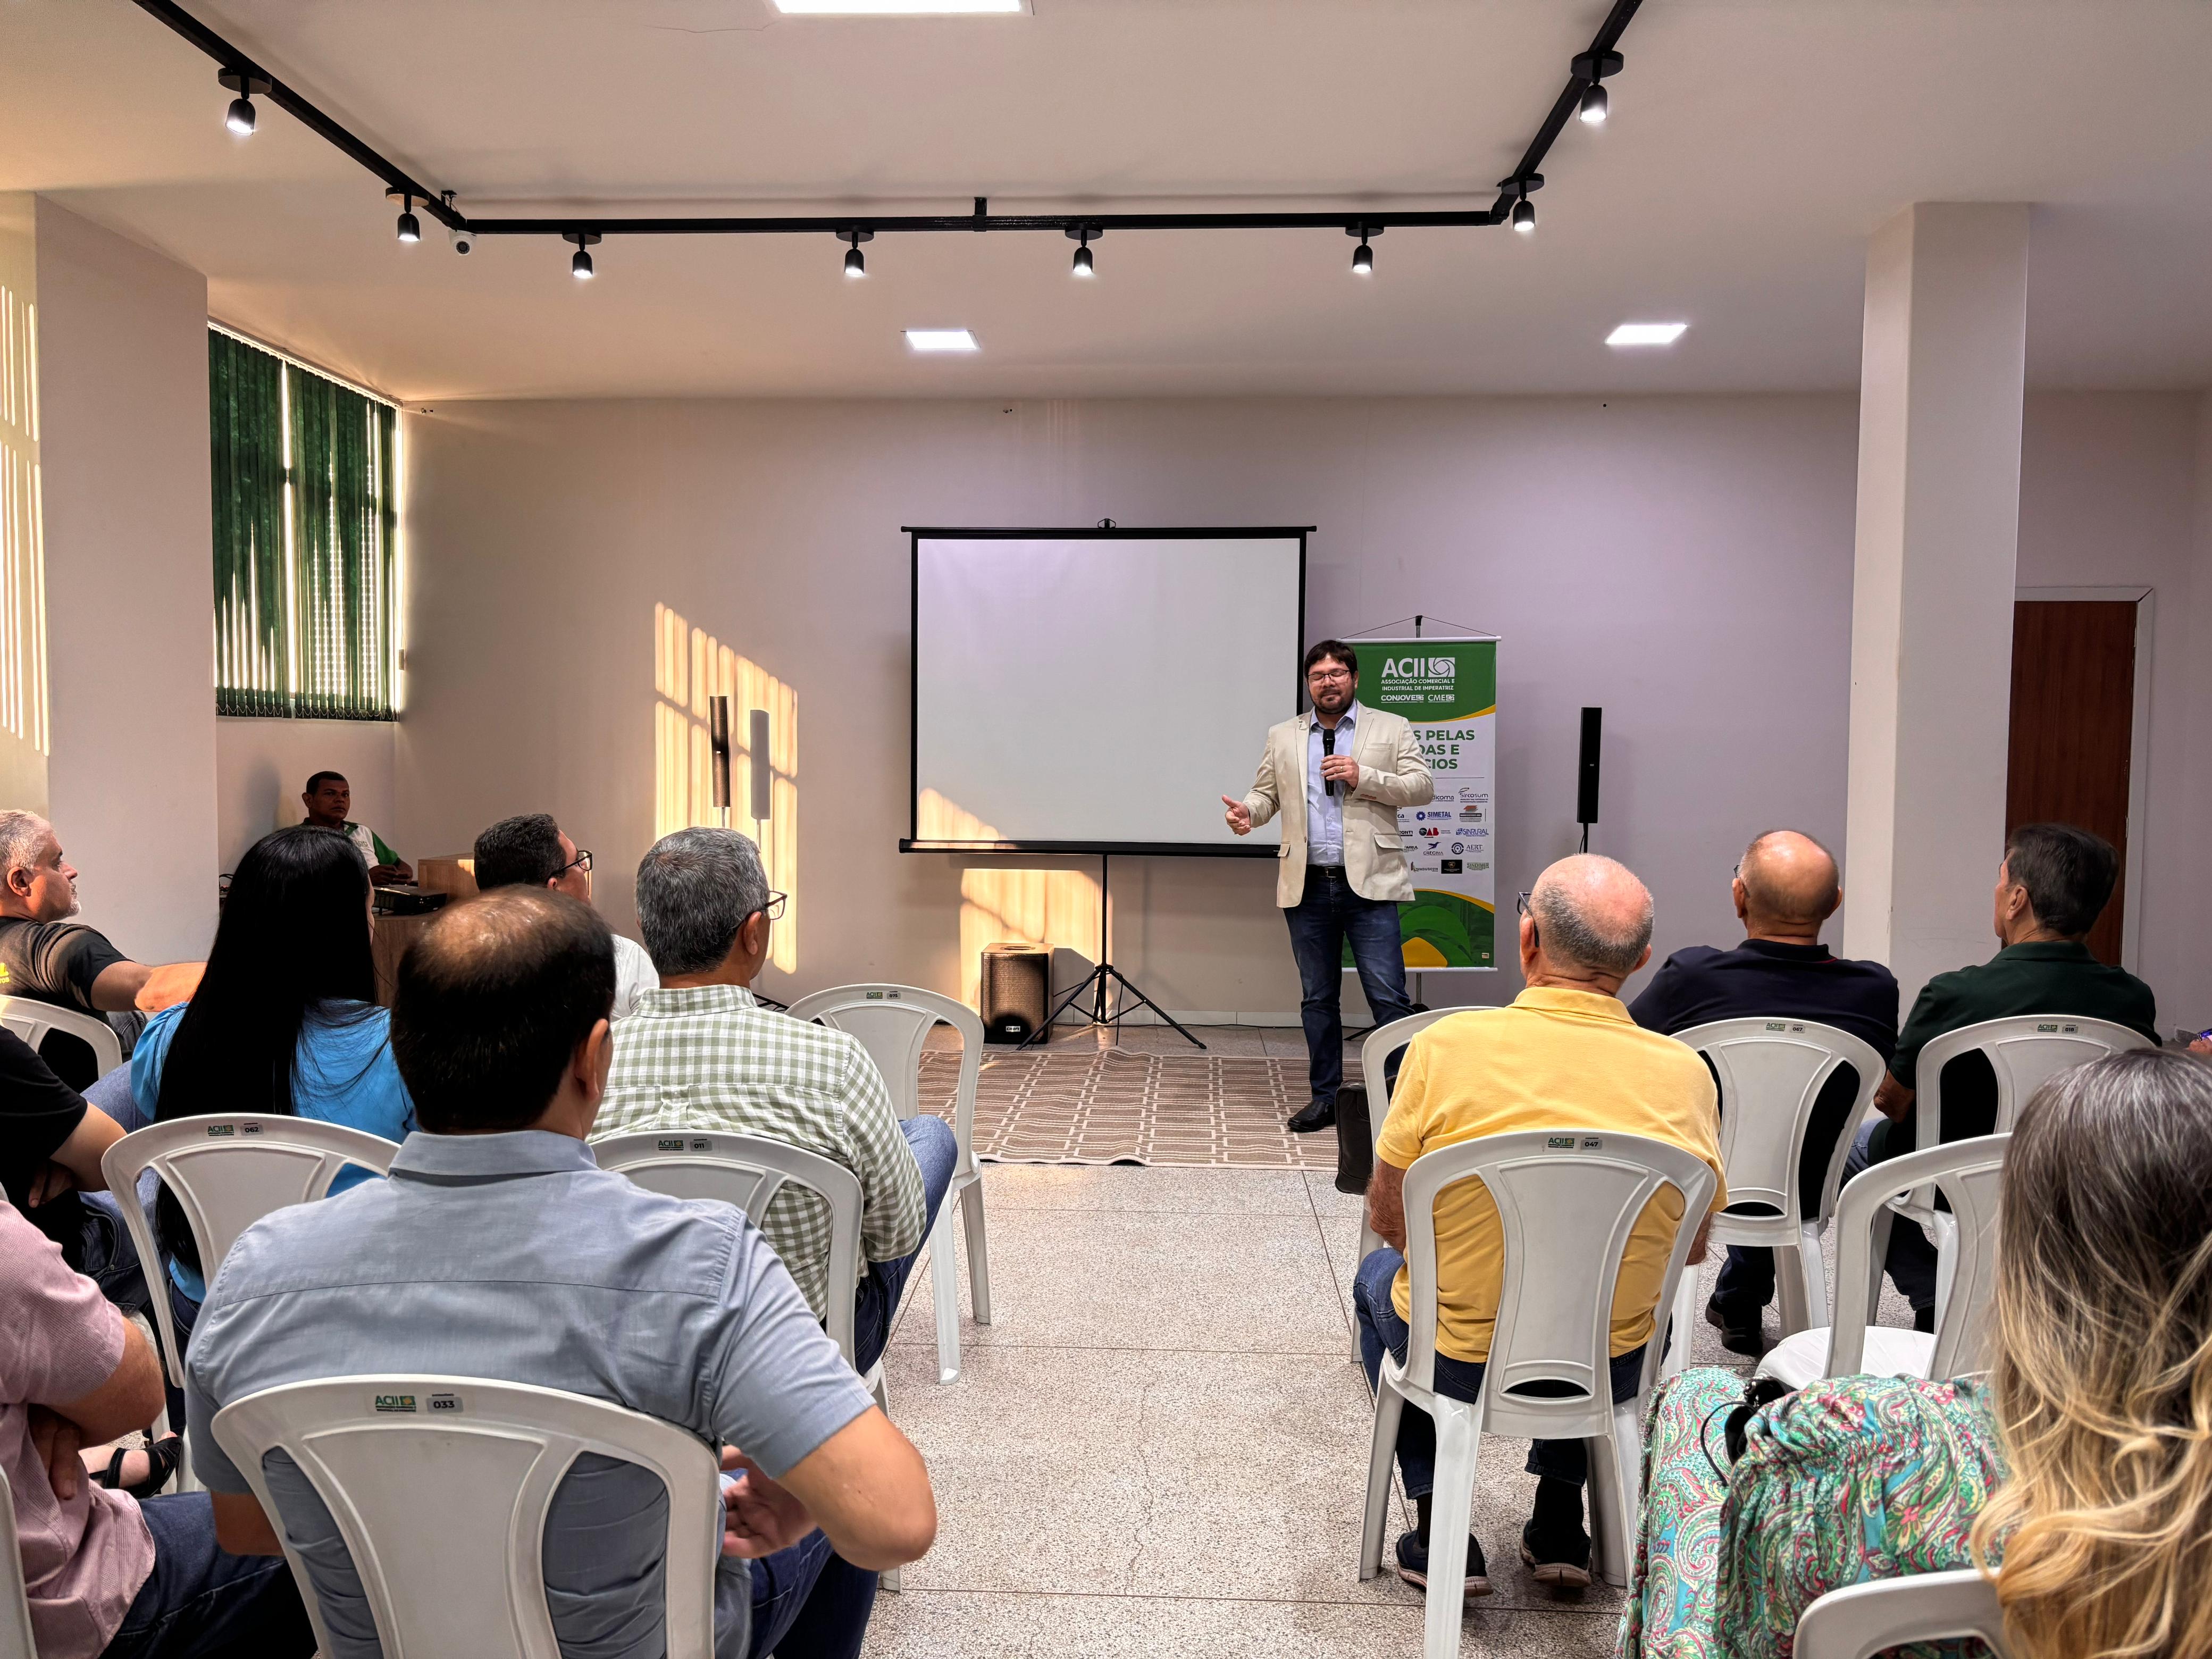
x=2052, y=885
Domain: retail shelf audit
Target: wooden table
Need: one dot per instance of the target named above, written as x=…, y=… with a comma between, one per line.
x=393, y=936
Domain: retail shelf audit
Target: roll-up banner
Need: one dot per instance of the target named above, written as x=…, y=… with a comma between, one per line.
x=1448, y=690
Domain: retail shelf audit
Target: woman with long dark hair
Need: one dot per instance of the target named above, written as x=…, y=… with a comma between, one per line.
x=284, y=1020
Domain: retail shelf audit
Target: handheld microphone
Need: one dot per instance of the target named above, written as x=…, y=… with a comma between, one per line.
x=1328, y=748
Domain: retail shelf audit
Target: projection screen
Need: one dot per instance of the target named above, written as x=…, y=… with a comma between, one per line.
x=1098, y=691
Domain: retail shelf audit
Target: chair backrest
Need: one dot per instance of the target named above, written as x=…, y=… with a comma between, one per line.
x=31, y=1019
x=1375, y=1052
x=1861, y=1620
x=2025, y=1051
x=1970, y=1174
x=892, y=1022
x=1771, y=1072
x=16, y=1639
x=226, y=1174
x=1567, y=1201
x=747, y=1172
x=439, y=1486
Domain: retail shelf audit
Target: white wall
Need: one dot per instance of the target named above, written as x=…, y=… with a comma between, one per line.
x=1685, y=562
x=262, y=764
x=129, y=594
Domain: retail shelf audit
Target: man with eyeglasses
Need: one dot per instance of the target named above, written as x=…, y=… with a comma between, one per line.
x=1338, y=775
x=530, y=851
x=701, y=1054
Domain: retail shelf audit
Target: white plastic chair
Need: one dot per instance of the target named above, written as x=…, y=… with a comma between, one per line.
x=1970, y=1175
x=440, y=1487
x=1771, y=1072
x=892, y=1022
x=1567, y=1201
x=31, y=1019
x=1375, y=1052
x=227, y=1173
x=16, y=1639
x=746, y=1172
x=1861, y=1620
x=2025, y=1051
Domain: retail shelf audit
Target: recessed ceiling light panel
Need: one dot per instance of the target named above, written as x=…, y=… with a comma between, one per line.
x=941, y=339
x=900, y=8
x=1646, y=334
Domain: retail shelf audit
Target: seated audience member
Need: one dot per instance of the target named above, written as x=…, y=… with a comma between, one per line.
x=1565, y=1054
x=498, y=1249
x=531, y=852
x=50, y=1145
x=45, y=956
x=700, y=1054
x=285, y=1021
x=328, y=798
x=1785, y=889
x=2073, y=1461
x=107, y=1573
x=2052, y=885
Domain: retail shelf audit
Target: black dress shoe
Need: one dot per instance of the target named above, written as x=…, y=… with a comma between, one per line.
x=1321, y=1115
x=1736, y=1336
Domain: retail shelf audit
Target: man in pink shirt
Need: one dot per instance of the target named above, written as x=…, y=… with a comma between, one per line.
x=108, y=1575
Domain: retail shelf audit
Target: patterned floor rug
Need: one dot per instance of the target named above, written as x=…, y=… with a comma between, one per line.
x=1113, y=1106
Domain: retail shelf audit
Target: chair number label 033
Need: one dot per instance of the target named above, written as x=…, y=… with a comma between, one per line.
x=404, y=1404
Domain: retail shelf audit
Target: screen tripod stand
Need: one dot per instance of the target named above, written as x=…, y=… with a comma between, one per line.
x=1102, y=983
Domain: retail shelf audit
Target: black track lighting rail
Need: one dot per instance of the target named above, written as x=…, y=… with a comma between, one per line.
x=1514, y=188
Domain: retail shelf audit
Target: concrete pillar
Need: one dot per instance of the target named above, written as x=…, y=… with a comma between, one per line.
x=1940, y=389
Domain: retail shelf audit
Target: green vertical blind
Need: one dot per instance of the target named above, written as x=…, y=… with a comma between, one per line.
x=305, y=534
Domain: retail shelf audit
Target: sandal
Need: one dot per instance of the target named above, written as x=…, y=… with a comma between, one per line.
x=162, y=1457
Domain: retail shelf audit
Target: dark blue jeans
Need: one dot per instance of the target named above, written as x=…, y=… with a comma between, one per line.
x=1321, y=922
x=1380, y=1327
x=876, y=1301
x=1911, y=1261
x=199, y=1601
x=808, y=1602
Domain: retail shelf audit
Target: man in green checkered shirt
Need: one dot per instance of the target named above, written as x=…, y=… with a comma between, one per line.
x=700, y=1054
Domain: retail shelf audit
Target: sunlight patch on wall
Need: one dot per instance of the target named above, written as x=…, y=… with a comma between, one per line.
x=1055, y=907
x=690, y=666
x=25, y=737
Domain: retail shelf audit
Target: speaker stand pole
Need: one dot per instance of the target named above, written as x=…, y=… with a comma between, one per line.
x=1102, y=981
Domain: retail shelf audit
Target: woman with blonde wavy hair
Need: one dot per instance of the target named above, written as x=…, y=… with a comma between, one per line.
x=2103, y=1380
x=2079, y=1469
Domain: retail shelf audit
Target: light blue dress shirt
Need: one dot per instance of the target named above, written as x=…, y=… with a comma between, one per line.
x=515, y=1257
x=1325, y=811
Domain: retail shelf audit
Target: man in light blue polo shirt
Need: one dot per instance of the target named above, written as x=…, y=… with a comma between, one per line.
x=499, y=1250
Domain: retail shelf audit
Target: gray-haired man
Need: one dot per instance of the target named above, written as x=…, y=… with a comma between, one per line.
x=701, y=1052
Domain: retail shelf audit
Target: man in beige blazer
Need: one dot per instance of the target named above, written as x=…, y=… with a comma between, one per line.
x=1338, y=775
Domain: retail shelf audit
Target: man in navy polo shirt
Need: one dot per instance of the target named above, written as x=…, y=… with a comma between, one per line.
x=1785, y=889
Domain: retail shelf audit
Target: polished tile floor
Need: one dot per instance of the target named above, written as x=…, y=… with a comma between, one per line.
x=1159, y=1445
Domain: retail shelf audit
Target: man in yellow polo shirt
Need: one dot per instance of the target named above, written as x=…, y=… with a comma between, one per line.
x=1565, y=1055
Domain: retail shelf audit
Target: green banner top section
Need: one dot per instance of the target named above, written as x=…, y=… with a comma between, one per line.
x=1428, y=680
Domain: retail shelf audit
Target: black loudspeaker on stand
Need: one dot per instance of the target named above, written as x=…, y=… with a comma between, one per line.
x=1586, y=774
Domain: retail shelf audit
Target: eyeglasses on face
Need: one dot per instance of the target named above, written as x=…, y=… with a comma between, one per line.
x=581, y=861
x=1326, y=674
x=774, y=909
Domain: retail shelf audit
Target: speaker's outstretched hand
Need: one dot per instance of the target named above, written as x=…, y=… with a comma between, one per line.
x=1239, y=816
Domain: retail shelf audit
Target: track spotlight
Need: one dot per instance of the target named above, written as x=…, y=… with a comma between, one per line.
x=580, y=266
x=1524, y=215
x=1594, y=67
x=856, y=264
x=239, y=118
x=410, y=227
x=1362, y=257
x=1084, y=265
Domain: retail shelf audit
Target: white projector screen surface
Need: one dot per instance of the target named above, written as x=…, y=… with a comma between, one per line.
x=1099, y=692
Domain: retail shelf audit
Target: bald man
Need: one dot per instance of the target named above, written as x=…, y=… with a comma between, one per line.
x=1565, y=1055
x=1785, y=889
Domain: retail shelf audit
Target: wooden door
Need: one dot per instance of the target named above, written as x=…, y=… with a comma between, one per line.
x=2072, y=728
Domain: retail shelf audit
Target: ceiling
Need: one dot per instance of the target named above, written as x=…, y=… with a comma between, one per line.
x=1754, y=144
